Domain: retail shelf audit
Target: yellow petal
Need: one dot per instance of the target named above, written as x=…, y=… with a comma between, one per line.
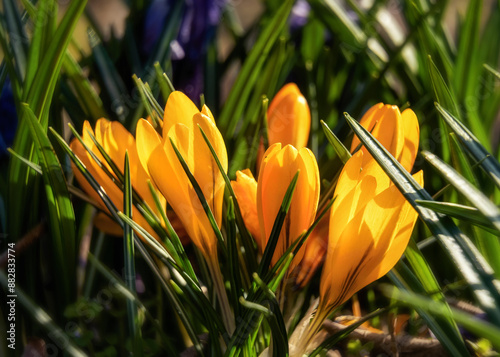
x=278, y=168
x=147, y=139
x=245, y=189
x=179, y=109
x=315, y=251
x=105, y=223
x=206, y=111
x=206, y=171
x=289, y=118
x=411, y=139
x=368, y=121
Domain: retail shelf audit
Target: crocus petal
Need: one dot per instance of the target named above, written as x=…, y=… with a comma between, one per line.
x=179, y=109
x=315, y=251
x=289, y=118
x=384, y=122
x=105, y=223
x=147, y=139
x=206, y=170
x=368, y=121
x=411, y=139
x=117, y=141
x=245, y=189
x=206, y=111
x=277, y=171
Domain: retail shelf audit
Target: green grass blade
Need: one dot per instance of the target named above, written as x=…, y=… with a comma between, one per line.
x=43, y=319
x=466, y=60
x=178, y=249
x=476, y=197
x=134, y=325
x=332, y=340
x=37, y=168
x=470, y=322
x=15, y=29
x=443, y=95
x=246, y=239
x=465, y=255
x=85, y=92
x=465, y=213
x=446, y=333
x=492, y=70
x=172, y=297
x=234, y=265
x=43, y=15
x=249, y=73
x=39, y=95
x=110, y=79
x=487, y=162
x=340, y=149
x=122, y=288
x=166, y=86
x=62, y=218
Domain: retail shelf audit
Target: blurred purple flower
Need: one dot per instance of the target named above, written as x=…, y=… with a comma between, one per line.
x=8, y=117
x=198, y=28
x=299, y=15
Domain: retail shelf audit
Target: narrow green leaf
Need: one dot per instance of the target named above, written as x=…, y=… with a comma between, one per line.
x=472, y=323
x=465, y=213
x=492, y=70
x=445, y=332
x=85, y=92
x=172, y=297
x=62, y=218
x=134, y=325
x=178, y=251
x=249, y=73
x=246, y=239
x=476, y=197
x=166, y=86
x=332, y=340
x=18, y=36
x=43, y=319
x=122, y=288
x=443, y=95
x=37, y=168
x=234, y=265
x=465, y=72
x=484, y=159
x=340, y=149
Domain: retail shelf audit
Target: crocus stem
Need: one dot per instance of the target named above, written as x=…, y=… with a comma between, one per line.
x=218, y=281
x=314, y=327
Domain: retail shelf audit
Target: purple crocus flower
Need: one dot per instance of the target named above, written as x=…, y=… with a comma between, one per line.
x=8, y=118
x=299, y=15
x=197, y=29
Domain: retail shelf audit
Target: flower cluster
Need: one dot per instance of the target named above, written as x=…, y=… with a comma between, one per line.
x=362, y=237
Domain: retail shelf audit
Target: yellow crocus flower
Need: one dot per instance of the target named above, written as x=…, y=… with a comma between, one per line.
x=115, y=140
x=181, y=124
x=370, y=222
x=370, y=226
x=278, y=168
x=289, y=118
